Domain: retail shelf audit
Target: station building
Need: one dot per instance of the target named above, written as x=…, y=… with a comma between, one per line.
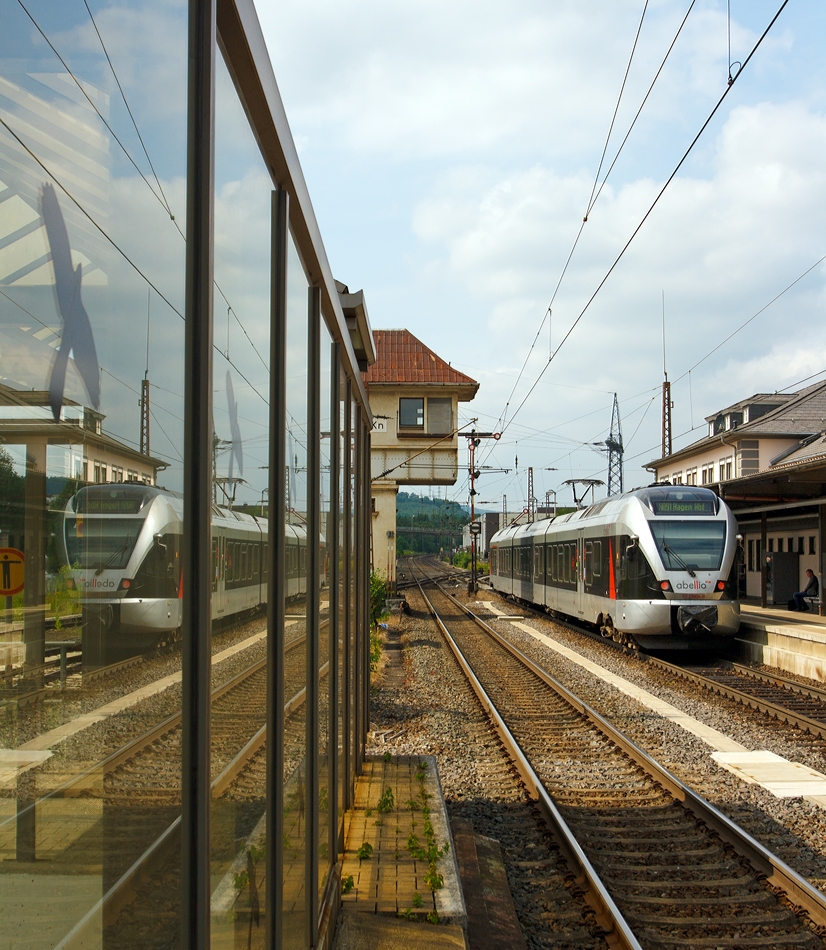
x=414, y=395
x=155, y=225
x=766, y=457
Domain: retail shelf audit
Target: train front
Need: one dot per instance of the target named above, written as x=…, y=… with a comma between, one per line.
x=122, y=544
x=689, y=538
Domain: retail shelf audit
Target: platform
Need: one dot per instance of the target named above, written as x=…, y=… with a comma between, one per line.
x=787, y=640
x=385, y=871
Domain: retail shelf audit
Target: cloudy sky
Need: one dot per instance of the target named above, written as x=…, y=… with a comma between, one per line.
x=451, y=150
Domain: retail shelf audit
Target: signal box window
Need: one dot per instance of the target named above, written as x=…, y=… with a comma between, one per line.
x=411, y=413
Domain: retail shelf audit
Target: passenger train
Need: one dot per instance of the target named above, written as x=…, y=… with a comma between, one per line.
x=656, y=567
x=122, y=543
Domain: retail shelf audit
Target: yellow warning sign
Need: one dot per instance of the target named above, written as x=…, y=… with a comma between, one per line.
x=11, y=571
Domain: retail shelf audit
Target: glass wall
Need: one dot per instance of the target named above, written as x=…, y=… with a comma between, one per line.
x=241, y=335
x=92, y=214
x=295, y=926
x=102, y=827
x=326, y=655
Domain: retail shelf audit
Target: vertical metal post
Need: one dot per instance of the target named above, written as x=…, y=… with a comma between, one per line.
x=276, y=567
x=362, y=582
x=313, y=575
x=347, y=633
x=821, y=560
x=763, y=555
x=365, y=522
x=197, y=548
x=333, y=580
x=34, y=549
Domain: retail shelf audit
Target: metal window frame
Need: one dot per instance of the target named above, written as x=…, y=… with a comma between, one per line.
x=313, y=631
x=276, y=567
x=197, y=547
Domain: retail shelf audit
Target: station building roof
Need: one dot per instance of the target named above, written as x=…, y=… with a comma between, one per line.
x=402, y=359
x=801, y=415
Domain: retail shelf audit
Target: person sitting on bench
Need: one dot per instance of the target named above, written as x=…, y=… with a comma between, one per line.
x=812, y=589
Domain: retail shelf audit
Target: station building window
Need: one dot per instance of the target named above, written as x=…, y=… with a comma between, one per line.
x=411, y=413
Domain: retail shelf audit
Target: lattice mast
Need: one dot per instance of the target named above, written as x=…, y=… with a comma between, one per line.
x=145, y=392
x=531, y=499
x=668, y=405
x=615, y=452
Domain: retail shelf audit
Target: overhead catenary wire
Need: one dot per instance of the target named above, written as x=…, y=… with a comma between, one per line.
x=595, y=197
x=161, y=198
x=645, y=217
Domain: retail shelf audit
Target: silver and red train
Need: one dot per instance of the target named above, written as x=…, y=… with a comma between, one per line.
x=657, y=567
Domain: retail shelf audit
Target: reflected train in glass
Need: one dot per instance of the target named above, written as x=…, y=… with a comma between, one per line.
x=656, y=567
x=123, y=545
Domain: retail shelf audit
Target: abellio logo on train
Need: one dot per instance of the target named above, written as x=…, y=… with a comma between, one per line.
x=96, y=583
x=693, y=585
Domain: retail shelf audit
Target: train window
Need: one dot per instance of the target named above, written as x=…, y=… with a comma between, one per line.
x=771, y=544
x=812, y=548
x=750, y=560
x=589, y=559
x=256, y=557
x=215, y=562
x=596, y=566
x=780, y=545
x=228, y=562
x=790, y=547
x=800, y=546
x=239, y=567
x=266, y=565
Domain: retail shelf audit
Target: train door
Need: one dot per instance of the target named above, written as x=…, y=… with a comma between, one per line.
x=219, y=553
x=580, y=573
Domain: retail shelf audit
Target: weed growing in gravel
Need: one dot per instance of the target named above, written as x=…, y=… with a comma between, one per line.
x=347, y=884
x=430, y=851
x=365, y=851
x=417, y=899
x=387, y=802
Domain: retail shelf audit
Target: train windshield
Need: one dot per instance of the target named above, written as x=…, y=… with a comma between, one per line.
x=692, y=544
x=101, y=543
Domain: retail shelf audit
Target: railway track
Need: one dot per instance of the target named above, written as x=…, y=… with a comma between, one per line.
x=139, y=783
x=679, y=872
x=799, y=705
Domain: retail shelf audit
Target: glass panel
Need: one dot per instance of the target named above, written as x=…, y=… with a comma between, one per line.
x=343, y=602
x=690, y=544
x=92, y=190
x=241, y=319
x=352, y=560
x=439, y=416
x=296, y=842
x=411, y=413
x=325, y=852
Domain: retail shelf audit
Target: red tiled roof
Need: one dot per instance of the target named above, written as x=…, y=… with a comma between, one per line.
x=401, y=358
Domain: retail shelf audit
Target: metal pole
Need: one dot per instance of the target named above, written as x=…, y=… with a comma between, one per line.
x=197, y=546
x=276, y=566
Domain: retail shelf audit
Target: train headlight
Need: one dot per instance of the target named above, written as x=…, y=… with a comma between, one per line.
x=665, y=585
x=721, y=585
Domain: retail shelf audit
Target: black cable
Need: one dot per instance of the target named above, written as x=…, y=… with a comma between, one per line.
x=616, y=110
x=126, y=103
x=162, y=201
x=753, y=317
x=594, y=198
x=651, y=208
x=642, y=104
